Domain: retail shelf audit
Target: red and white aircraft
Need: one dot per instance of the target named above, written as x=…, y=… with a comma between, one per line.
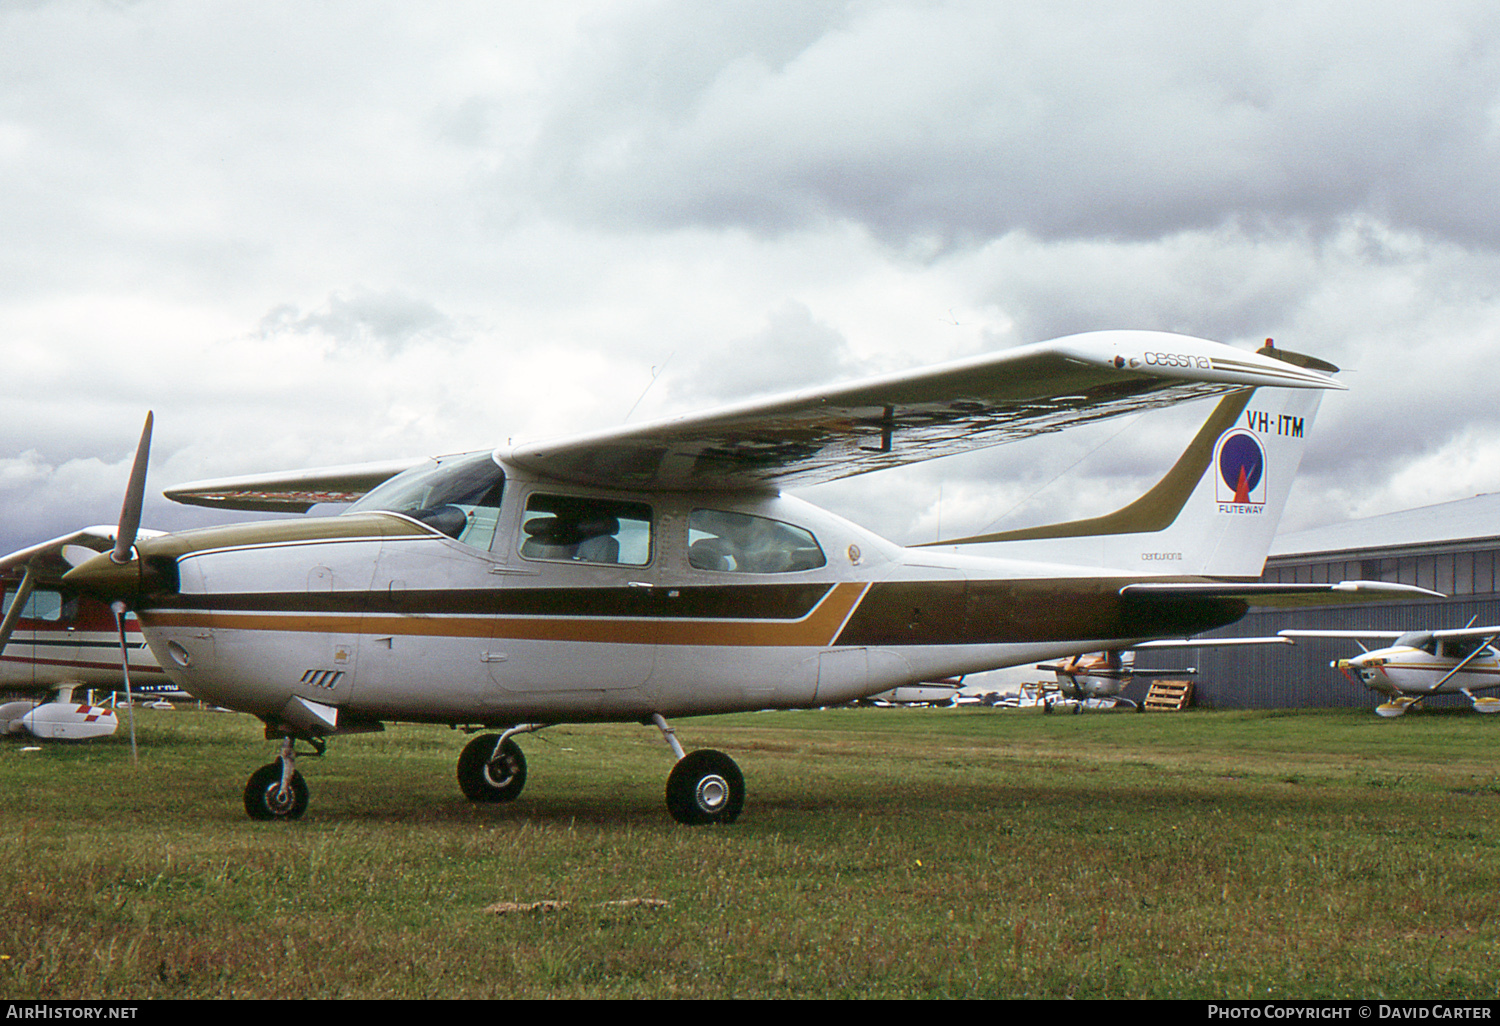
x=658, y=570
x=55, y=642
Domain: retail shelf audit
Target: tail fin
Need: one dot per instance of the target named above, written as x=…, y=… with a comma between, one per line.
x=1215, y=512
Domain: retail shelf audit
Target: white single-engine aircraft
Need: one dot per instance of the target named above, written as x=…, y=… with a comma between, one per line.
x=656, y=570
x=1420, y=664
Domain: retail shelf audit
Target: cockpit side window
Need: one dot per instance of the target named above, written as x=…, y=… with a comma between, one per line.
x=746, y=544
x=578, y=529
x=1459, y=648
x=457, y=495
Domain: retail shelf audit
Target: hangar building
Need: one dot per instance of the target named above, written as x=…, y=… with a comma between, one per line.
x=1453, y=548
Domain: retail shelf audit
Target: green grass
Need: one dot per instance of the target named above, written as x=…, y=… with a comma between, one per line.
x=882, y=853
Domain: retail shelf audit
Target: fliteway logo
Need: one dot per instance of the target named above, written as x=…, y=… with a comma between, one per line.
x=1241, y=481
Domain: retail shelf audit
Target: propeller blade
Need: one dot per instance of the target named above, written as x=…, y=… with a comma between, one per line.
x=135, y=494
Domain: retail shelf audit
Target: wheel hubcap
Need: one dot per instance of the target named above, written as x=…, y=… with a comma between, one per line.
x=712, y=793
x=279, y=799
x=499, y=774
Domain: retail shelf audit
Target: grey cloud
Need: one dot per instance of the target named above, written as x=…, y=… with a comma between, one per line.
x=388, y=321
x=960, y=121
x=794, y=350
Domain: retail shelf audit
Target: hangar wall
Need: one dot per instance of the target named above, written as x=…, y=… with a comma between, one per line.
x=1450, y=548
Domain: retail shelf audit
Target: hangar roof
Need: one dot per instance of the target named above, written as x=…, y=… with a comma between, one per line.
x=1463, y=520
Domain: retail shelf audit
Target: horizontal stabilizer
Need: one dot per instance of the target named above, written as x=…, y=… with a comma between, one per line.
x=1213, y=642
x=1280, y=595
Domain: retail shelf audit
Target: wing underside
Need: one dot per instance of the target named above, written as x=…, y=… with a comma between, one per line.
x=288, y=492
x=811, y=437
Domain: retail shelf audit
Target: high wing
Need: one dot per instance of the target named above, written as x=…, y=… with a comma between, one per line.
x=289, y=492
x=818, y=435
x=813, y=436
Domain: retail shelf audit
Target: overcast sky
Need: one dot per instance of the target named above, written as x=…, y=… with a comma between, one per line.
x=325, y=232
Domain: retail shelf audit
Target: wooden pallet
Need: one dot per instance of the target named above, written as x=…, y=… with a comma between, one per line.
x=1169, y=695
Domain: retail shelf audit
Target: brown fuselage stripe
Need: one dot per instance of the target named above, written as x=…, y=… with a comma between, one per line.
x=849, y=614
x=998, y=612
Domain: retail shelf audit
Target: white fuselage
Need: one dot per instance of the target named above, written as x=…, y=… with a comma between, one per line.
x=1402, y=669
x=373, y=616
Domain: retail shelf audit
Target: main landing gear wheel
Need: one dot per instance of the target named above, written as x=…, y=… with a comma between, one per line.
x=705, y=787
x=487, y=777
x=265, y=799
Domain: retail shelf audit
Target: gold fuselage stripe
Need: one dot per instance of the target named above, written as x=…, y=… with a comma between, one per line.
x=817, y=629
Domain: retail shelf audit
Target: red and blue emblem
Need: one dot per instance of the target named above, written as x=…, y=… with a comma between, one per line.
x=1241, y=464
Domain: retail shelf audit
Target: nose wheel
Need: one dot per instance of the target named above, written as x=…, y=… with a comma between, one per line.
x=276, y=791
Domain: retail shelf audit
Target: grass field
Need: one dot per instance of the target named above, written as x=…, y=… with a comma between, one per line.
x=882, y=853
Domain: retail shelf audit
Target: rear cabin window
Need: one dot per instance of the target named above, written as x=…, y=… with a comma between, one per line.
x=740, y=543
x=585, y=530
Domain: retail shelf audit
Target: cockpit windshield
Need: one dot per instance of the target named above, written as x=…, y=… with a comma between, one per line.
x=457, y=495
x=1422, y=640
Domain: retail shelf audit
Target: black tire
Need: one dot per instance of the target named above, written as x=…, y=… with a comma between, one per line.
x=262, y=801
x=483, y=782
x=705, y=787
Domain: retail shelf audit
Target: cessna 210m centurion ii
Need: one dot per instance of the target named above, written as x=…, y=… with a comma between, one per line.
x=1419, y=664
x=656, y=570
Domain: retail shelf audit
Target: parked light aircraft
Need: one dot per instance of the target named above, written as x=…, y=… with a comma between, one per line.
x=657, y=570
x=58, y=718
x=1097, y=677
x=1102, y=676
x=1420, y=664
x=54, y=641
x=926, y=692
